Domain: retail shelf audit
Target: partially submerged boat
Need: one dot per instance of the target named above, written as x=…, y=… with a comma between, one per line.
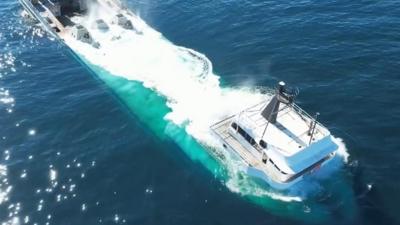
x=279, y=142
x=57, y=17
x=68, y=20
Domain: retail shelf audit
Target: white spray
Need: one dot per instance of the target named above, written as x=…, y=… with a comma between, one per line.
x=182, y=75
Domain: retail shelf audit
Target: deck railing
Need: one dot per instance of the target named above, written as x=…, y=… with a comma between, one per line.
x=300, y=111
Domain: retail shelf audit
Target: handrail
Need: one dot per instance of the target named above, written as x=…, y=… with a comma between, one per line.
x=301, y=111
x=34, y=12
x=219, y=122
x=51, y=16
x=294, y=105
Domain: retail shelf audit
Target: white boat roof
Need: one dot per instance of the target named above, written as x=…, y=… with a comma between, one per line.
x=288, y=141
x=300, y=161
x=289, y=134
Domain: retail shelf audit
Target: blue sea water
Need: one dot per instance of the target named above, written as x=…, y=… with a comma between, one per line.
x=74, y=151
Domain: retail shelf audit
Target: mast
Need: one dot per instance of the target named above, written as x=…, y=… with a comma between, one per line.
x=270, y=112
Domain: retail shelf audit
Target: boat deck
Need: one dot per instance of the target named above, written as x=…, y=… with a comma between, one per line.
x=221, y=130
x=289, y=134
x=45, y=12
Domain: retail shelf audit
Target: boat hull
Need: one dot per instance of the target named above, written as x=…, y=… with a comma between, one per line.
x=257, y=173
x=34, y=13
x=254, y=172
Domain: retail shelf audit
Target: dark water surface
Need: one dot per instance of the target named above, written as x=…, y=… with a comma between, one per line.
x=71, y=153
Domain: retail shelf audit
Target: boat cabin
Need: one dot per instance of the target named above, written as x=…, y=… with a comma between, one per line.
x=278, y=137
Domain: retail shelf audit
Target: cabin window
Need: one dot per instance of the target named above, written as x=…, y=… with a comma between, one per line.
x=263, y=144
x=234, y=126
x=242, y=132
x=246, y=136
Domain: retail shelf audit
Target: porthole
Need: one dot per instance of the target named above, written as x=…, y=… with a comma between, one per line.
x=263, y=144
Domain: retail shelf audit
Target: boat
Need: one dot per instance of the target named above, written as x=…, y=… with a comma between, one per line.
x=65, y=19
x=278, y=141
x=57, y=18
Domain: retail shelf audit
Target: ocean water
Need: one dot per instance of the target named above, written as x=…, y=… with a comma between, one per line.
x=91, y=148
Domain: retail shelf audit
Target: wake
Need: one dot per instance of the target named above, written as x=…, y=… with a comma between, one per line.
x=184, y=77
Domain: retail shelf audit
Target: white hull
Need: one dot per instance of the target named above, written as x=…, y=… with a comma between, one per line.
x=252, y=171
x=251, y=155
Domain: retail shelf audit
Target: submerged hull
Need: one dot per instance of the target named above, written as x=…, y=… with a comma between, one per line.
x=266, y=170
x=262, y=175
x=35, y=14
x=257, y=173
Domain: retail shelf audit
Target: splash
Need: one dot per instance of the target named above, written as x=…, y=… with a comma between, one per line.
x=342, y=151
x=173, y=90
x=182, y=76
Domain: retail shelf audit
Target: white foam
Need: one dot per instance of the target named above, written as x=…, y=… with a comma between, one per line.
x=247, y=189
x=195, y=97
x=342, y=151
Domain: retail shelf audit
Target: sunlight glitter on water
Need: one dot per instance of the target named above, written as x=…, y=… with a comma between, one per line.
x=7, y=100
x=53, y=175
x=32, y=132
x=187, y=121
x=5, y=189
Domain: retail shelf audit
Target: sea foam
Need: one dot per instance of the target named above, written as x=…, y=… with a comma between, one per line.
x=192, y=90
